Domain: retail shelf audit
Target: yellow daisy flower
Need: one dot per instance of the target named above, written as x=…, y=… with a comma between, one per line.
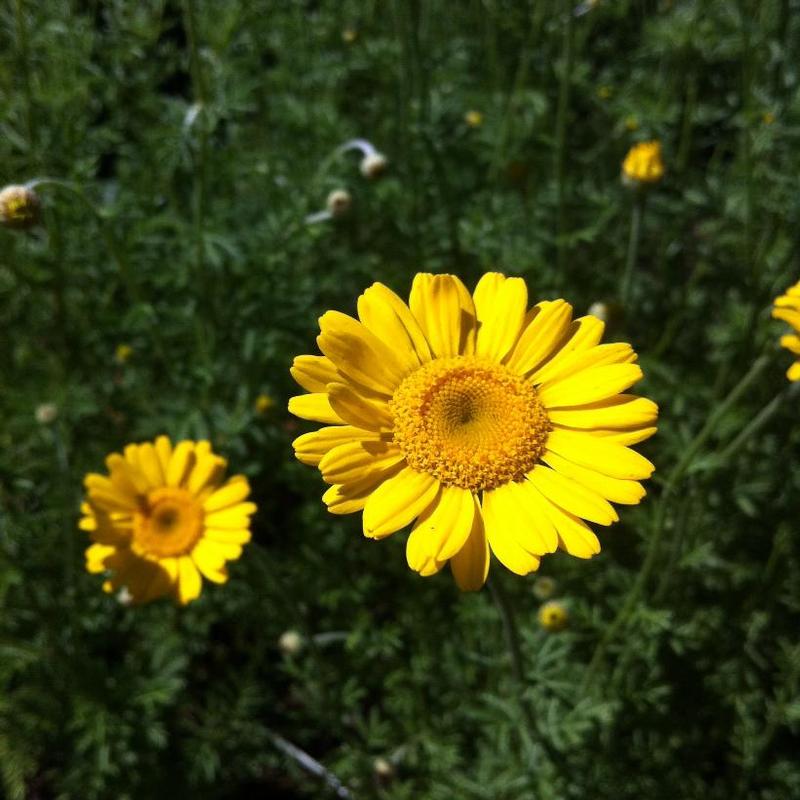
x=163, y=517
x=643, y=164
x=787, y=308
x=553, y=616
x=494, y=426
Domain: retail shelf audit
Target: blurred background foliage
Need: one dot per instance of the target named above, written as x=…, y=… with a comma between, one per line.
x=202, y=134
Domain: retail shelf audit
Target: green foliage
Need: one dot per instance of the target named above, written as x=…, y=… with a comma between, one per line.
x=204, y=134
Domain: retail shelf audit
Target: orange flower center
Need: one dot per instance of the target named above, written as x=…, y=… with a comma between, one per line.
x=469, y=422
x=170, y=523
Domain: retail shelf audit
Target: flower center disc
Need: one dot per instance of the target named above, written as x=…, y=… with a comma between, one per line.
x=469, y=422
x=169, y=524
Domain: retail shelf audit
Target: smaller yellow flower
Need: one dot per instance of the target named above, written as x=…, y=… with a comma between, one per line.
x=604, y=92
x=787, y=308
x=349, y=35
x=643, y=165
x=123, y=353
x=544, y=587
x=631, y=123
x=768, y=118
x=264, y=403
x=20, y=207
x=553, y=616
x=473, y=118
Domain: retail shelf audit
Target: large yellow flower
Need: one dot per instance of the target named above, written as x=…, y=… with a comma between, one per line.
x=492, y=425
x=162, y=517
x=787, y=308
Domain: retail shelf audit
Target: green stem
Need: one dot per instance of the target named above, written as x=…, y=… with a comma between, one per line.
x=637, y=213
x=562, y=111
x=672, y=483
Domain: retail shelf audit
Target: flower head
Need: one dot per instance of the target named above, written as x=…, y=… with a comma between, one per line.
x=291, y=643
x=373, y=165
x=163, y=517
x=496, y=427
x=123, y=353
x=787, y=308
x=474, y=119
x=553, y=616
x=349, y=35
x=544, y=587
x=339, y=202
x=46, y=413
x=20, y=207
x=263, y=404
x=768, y=118
x=643, y=164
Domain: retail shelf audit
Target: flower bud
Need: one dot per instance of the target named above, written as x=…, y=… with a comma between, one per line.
x=20, y=207
x=373, y=165
x=46, y=413
x=263, y=403
x=553, y=616
x=291, y=643
x=349, y=35
x=339, y=203
x=643, y=165
x=474, y=119
x=123, y=353
x=383, y=769
x=544, y=587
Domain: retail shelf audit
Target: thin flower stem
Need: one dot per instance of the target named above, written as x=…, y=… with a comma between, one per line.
x=637, y=213
x=562, y=111
x=112, y=246
x=672, y=484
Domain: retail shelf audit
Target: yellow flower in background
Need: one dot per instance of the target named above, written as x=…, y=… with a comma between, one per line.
x=631, y=124
x=787, y=308
x=768, y=118
x=123, y=353
x=264, y=403
x=643, y=164
x=349, y=35
x=163, y=517
x=604, y=92
x=20, y=207
x=474, y=119
x=553, y=616
x=494, y=426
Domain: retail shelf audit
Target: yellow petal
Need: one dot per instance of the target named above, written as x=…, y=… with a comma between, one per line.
x=590, y=385
x=470, y=565
x=237, y=536
x=572, y=495
x=443, y=308
x=599, y=453
x=499, y=520
x=164, y=453
x=234, y=491
x=625, y=437
x=311, y=447
x=125, y=473
x=512, y=506
x=189, y=583
x=150, y=465
x=443, y=528
x=350, y=461
x=398, y=501
x=793, y=373
x=351, y=497
x=358, y=410
x=315, y=407
x=615, y=489
x=96, y=556
x=564, y=364
x=545, y=330
x=361, y=355
x=390, y=319
x=107, y=495
x=791, y=342
x=208, y=560
x=314, y=373
x=501, y=323
x=180, y=463
x=574, y=535
x=620, y=411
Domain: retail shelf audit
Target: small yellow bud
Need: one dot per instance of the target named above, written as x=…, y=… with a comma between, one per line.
x=383, y=769
x=604, y=92
x=349, y=35
x=544, y=587
x=264, y=403
x=553, y=616
x=631, y=123
x=46, y=413
x=473, y=118
x=768, y=118
x=643, y=165
x=20, y=207
x=291, y=643
x=123, y=353
x=373, y=165
x=339, y=202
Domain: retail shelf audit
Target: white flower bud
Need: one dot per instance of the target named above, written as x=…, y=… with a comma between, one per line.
x=46, y=413
x=339, y=203
x=291, y=643
x=373, y=165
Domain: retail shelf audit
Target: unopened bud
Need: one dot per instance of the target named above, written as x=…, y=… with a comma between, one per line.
x=383, y=769
x=291, y=643
x=20, y=207
x=544, y=587
x=553, y=616
x=46, y=413
x=339, y=202
x=373, y=165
